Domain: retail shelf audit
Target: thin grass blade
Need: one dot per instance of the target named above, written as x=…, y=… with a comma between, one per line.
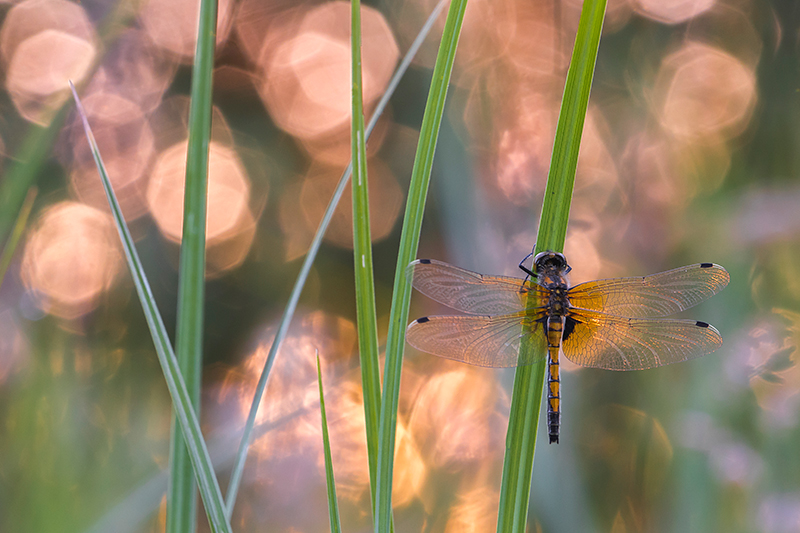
x=305, y=269
x=333, y=503
x=367, y=322
x=409, y=241
x=181, y=401
x=182, y=499
x=529, y=380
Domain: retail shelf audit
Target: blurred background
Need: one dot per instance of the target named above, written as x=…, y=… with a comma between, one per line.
x=689, y=154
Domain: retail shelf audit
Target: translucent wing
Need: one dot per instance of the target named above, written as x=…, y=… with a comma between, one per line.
x=471, y=292
x=616, y=343
x=661, y=294
x=477, y=340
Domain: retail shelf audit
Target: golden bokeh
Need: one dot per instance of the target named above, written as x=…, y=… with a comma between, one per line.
x=172, y=26
x=293, y=377
x=71, y=257
x=291, y=402
x=304, y=203
x=44, y=44
x=306, y=76
x=228, y=191
x=457, y=416
x=475, y=511
x=705, y=92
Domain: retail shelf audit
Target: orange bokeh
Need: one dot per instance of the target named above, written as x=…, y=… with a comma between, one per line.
x=705, y=93
x=71, y=257
x=172, y=25
x=228, y=191
x=523, y=145
x=457, y=416
x=291, y=402
x=306, y=74
x=304, y=204
x=672, y=11
x=43, y=45
x=294, y=369
x=474, y=511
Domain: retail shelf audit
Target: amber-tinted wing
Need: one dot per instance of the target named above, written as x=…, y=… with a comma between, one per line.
x=471, y=292
x=477, y=340
x=657, y=295
x=616, y=343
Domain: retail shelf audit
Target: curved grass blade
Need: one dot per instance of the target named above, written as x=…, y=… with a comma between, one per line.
x=16, y=233
x=333, y=504
x=529, y=380
x=305, y=269
x=181, y=401
x=182, y=499
x=409, y=242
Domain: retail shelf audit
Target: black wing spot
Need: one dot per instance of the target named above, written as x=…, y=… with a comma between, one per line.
x=424, y=261
x=706, y=265
x=569, y=327
x=426, y=319
x=701, y=324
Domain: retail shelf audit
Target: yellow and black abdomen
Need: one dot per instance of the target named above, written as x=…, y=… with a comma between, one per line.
x=554, y=329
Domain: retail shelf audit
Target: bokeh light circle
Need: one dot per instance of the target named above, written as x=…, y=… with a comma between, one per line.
x=228, y=191
x=70, y=258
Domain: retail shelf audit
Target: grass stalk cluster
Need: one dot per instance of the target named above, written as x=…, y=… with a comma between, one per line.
x=190, y=459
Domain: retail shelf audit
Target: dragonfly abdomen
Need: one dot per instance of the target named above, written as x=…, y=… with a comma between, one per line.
x=555, y=327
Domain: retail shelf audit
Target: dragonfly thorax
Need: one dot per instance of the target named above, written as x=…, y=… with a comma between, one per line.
x=557, y=304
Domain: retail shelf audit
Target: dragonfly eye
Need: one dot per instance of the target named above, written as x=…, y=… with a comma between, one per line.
x=550, y=261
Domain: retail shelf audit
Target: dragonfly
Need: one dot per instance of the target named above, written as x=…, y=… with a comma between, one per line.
x=613, y=324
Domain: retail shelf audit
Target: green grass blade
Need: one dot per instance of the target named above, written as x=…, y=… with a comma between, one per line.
x=333, y=503
x=574, y=103
x=305, y=269
x=181, y=498
x=529, y=380
x=16, y=233
x=36, y=148
x=367, y=322
x=181, y=401
x=34, y=152
x=409, y=241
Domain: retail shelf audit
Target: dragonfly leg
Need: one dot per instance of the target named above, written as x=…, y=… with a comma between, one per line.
x=528, y=272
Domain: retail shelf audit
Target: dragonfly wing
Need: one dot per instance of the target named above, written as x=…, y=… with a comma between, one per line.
x=477, y=340
x=598, y=340
x=660, y=294
x=471, y=292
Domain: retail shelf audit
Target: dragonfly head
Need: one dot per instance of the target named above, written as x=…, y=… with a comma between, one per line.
x=549, y=262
